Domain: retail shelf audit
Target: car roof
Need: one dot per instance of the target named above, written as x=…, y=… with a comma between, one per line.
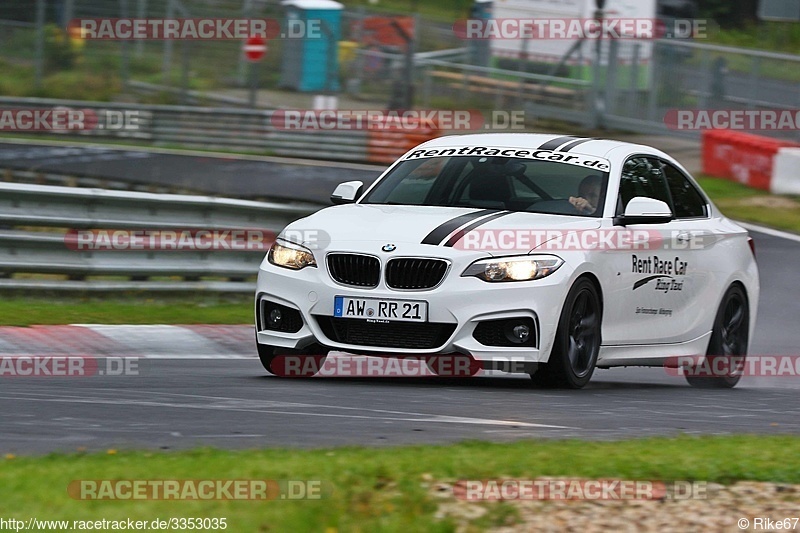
x=543, y=141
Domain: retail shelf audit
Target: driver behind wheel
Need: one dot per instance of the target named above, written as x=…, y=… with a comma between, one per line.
x=588, y=195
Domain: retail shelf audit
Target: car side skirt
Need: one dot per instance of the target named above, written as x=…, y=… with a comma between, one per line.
x=650, y=354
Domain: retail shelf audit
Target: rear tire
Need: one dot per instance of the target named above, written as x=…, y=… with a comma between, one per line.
x=729, y=338
x=577, y=343
x=270, y=356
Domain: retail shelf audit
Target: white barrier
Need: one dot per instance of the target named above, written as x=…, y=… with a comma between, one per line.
x=786, y=172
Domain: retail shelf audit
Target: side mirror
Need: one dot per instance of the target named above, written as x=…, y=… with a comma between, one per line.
x=643, y=210
x=347, y=192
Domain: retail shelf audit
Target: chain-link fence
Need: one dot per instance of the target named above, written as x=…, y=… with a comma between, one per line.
x=694, y=79
x=645, y=86
x=171, y=68
x=36, y=42
x=380, y=60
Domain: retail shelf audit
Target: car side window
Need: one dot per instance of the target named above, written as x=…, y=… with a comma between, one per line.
x=642, y=176
x=687, y=201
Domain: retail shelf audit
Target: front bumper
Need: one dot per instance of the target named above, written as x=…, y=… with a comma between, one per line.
x=460, y=301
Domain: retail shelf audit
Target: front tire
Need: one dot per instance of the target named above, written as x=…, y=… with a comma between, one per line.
x=729, y=339
x=578, y=338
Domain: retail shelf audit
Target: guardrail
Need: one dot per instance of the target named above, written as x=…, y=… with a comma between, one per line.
x=62, y=178
x=217, y=128
x=36, y=219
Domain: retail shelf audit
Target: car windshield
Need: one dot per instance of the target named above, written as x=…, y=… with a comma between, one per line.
x=504, y=183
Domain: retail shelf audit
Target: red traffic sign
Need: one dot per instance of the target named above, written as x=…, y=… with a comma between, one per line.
x=255, y=48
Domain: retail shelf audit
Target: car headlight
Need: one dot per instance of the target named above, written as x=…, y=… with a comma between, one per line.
x=290, y=255
x=516, y=268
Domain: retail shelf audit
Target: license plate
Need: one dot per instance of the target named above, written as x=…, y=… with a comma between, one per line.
x=375, y=309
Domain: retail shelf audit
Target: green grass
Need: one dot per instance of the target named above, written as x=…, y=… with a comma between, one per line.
x=768, y=69
x=744, y=203
x=97, y=75
x=774, y=36
x=386, y=489
x=79, y=84
x=131, y=310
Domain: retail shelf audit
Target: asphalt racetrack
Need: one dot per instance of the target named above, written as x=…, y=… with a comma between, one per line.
x=270, y=178
x=230, y=402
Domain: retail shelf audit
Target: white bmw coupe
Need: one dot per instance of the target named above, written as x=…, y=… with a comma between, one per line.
x=552, y=255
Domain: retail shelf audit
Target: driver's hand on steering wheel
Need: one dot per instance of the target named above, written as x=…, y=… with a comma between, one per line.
x=582, y=205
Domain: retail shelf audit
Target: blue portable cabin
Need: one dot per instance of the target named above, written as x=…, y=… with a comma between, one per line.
x=311, y=62
x=479, y=50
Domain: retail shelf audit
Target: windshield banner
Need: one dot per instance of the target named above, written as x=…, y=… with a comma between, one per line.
x=597, y=163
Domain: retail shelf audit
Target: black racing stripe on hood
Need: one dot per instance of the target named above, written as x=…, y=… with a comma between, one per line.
x=463, y=231
x=558, y=141
x=573, y=144
x=446, y=228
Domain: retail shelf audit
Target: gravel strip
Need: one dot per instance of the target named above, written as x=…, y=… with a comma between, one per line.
x=719, y=508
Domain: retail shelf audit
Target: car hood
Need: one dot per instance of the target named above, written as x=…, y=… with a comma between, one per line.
x=347, y=225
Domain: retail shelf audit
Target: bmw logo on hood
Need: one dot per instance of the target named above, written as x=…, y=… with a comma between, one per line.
x=389, y=248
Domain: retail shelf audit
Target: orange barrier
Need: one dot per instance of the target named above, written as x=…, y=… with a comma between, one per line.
x=384, y=31
x=742, y=157
x=385, y=145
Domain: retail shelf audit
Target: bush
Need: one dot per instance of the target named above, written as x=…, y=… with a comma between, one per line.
x=59, y=52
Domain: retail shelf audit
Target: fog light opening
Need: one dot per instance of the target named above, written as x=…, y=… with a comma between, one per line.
x=519, y=334
x=274, y=318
